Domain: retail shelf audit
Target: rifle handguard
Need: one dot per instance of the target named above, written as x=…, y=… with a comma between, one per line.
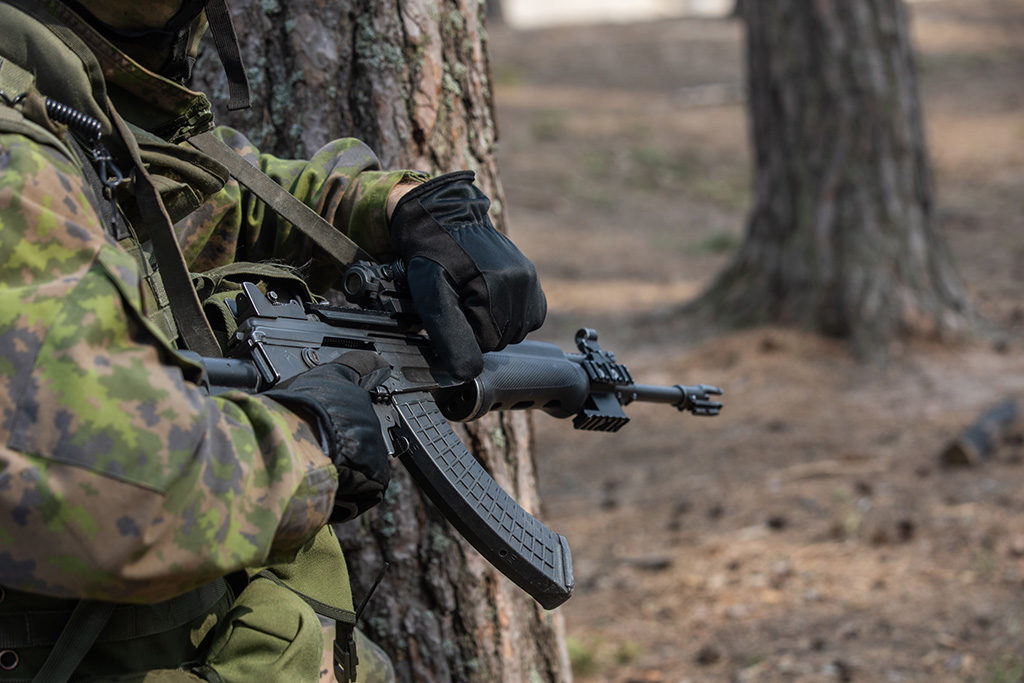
x=524, y=376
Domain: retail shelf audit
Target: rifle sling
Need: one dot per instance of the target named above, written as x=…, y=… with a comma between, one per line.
x=337, y=245
x=192, y=324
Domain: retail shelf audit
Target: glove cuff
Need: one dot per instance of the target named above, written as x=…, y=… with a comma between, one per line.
x=435, y=184
x=308, y=407
x=423, y=220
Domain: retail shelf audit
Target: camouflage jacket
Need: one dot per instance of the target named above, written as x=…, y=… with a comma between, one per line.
x=120, y=479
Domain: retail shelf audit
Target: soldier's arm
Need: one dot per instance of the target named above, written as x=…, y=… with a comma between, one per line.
x=120, y=479
x=343, y=182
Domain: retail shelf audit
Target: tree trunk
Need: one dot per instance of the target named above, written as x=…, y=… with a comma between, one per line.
x=495, y=12
x=842, y=236
x=410, y=78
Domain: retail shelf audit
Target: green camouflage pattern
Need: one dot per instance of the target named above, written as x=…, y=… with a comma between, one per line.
x=155, y=103
x=342, y=182
x=374, y=664
x=119, y=478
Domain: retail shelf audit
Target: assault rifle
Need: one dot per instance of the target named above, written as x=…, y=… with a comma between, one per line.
x=277, y=339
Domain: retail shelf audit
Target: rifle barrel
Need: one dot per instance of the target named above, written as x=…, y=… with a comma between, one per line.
x=649, y=393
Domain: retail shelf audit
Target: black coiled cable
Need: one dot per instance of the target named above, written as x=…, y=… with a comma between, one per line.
x=74, y=119
x=92, y=130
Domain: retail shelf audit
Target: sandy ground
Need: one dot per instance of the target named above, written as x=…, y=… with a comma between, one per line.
x=810, y=533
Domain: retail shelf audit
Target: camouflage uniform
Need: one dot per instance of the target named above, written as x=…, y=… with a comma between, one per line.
x=120, y=479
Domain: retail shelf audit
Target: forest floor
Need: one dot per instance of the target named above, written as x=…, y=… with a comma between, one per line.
x=809, y=533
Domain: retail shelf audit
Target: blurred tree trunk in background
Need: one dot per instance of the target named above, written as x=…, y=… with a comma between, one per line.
x=494, y=11
x=842, y=236
x=411, y=78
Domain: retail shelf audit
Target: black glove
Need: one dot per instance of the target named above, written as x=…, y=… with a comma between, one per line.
x=472, y=288
x=336, y=394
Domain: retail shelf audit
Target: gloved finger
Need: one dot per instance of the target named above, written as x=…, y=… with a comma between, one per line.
x=501, y=312
x=356, y=494
x=532, y=304
x=361, y=454
x=517, y=294
x=438, y=306
x=503, y=301
x=371, y=369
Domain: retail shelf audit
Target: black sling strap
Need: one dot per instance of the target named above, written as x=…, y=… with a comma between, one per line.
x=83, y=628
x=342, y=249
x=226, y=41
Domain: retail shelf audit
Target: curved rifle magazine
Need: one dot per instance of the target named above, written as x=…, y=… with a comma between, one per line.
x=520, y=546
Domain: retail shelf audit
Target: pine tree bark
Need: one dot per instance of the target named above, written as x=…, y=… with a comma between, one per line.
x=411, y=79
x=842, y=236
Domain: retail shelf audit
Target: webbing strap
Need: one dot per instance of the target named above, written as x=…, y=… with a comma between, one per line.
x=226, y=41
x=15, y=82
x=36, y=626
x=338, y=614
x=193, y=327
x=342, y=249
x=83, y=628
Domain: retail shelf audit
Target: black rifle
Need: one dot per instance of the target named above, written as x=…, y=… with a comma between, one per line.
x=276, y=340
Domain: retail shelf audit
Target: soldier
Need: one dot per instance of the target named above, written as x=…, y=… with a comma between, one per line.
x=148, y=530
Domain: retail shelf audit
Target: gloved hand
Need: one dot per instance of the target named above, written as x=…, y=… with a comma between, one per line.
x=336, y=395
x=472, y=288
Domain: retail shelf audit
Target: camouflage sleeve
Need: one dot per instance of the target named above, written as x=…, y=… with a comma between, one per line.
x=119, y=479
x=343, y=182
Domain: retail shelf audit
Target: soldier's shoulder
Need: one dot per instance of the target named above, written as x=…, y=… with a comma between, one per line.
x=42, y=185
x=26, y=144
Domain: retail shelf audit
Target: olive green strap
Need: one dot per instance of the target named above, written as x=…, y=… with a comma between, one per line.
x=314, y=226
x=83, y=628
x=15, y=82
x=193, y=327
